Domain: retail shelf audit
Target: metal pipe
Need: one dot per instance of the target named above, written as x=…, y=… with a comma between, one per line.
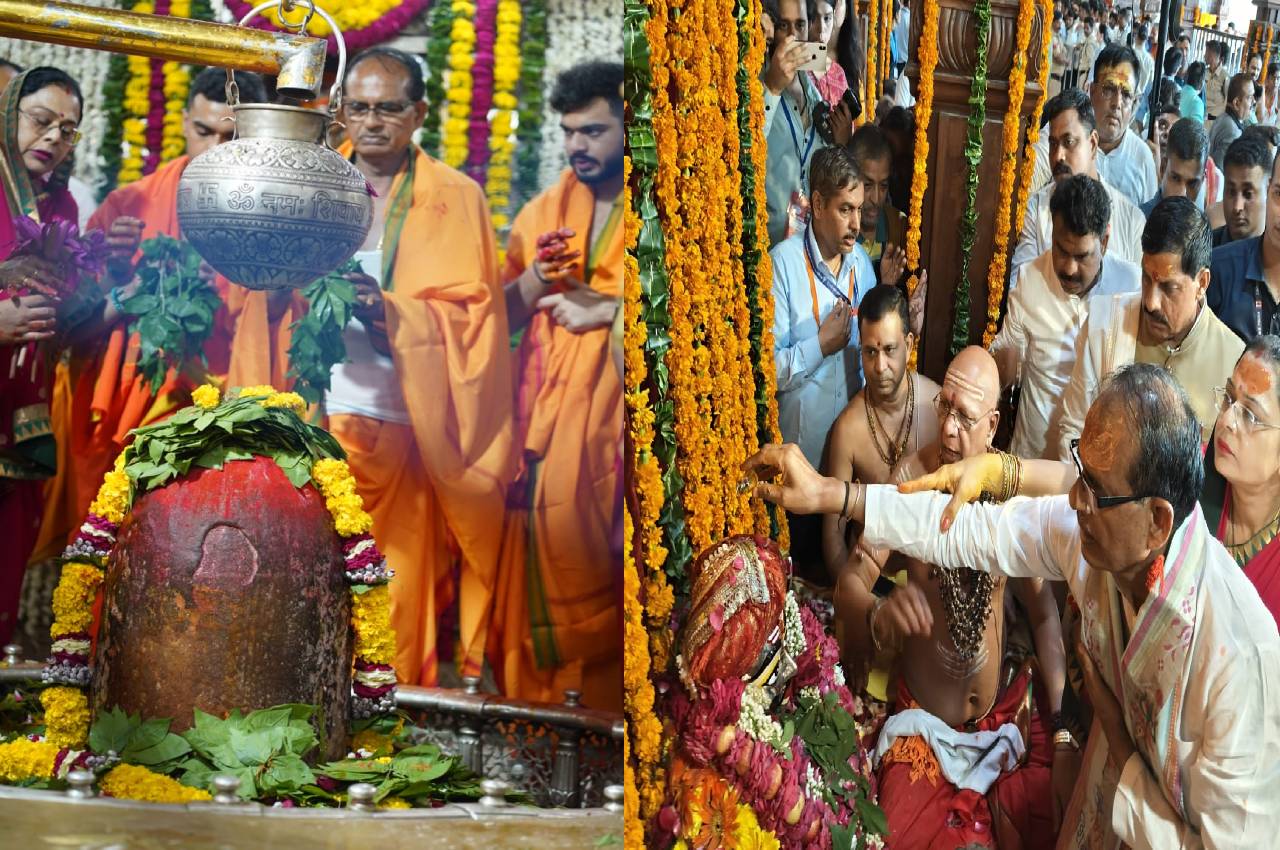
x=297, y=61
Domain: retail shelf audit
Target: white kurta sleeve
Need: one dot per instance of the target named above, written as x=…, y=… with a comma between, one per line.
x=1028, y=247
x=1022, y=538
x=1075, y=401
x=1234, y=782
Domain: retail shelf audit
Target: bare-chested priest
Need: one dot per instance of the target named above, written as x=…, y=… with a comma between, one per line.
x=962, y=763
x=890, y=418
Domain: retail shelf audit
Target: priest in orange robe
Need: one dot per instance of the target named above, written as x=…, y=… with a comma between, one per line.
x=558, y=608
x=423, y=404
x=105, y=397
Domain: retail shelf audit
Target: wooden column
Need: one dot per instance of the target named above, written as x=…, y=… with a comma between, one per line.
x=945, y=199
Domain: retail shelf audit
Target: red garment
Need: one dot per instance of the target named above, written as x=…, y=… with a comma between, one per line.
x=1263, y=568
x=932, y=814
x=26, y=451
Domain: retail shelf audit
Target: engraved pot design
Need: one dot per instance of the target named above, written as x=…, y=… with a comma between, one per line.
x=274, y=208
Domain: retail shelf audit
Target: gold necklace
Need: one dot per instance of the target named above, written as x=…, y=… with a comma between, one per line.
x=896, y=447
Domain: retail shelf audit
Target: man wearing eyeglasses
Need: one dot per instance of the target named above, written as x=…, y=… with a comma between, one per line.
x=957, y=689
x=422, y=404
x=1167, y=324
x=1180, y=658
x=563, y=276
x=1124, y=160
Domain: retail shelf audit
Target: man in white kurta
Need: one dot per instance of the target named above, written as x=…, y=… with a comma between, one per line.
x=1073, y=149
x=1181, y=660
x=1168, y=324
x=1228, y=744
x=1124, y=159
x=1036, y=343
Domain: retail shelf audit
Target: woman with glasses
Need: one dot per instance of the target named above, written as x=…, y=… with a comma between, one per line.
x=1247, y=455
x=39, y=118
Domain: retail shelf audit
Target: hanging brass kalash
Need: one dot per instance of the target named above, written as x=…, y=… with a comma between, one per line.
x=276, y=208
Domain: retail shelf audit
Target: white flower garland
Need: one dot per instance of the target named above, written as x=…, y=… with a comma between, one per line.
x=754, y=718
x=89, y=68
x=577, y=31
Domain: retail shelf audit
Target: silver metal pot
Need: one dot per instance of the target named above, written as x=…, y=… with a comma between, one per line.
x=276, y=207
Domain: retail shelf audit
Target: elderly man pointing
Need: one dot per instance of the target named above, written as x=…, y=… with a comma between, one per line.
x=1181, y=660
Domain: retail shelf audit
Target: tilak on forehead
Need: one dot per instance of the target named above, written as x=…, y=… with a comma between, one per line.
x=1254, y=375
x=960, y=383
x=1121, y=76
x=1100, y=442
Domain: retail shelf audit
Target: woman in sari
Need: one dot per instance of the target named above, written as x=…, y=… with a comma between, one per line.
x=1247, y=455
x=39, y=117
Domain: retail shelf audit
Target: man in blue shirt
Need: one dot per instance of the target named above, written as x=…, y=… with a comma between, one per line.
x=1245, y=277
x=819, y=277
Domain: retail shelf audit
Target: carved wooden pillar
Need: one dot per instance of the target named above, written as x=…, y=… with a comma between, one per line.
x=944, y=201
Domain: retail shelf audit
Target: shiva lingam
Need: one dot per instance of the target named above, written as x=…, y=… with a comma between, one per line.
x=276, y=207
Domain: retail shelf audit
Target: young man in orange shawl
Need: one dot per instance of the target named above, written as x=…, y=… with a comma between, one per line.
x=423, y=404
x=108, y=396
x=561, y=564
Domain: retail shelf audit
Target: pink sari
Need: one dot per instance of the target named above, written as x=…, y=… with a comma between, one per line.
x=1263, y=568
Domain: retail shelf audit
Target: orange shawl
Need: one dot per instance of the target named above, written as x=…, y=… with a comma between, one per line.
x=559, y=603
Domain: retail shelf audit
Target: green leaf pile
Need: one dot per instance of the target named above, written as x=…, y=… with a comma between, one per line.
x=237, y=429
x=830, y=736
x=421, y=772
x=317, y=344
x=265, y=748
x=145, y=742
x=172, y=310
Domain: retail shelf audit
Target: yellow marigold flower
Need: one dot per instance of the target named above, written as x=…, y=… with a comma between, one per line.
x=395, y=803
x=371, y=620
x=66, y=716
x=372, y=742
x=73, y=598
x=290, y=401
x=134, y=782
x=206, y=396
x=22, y=759
x=260, y=390
x=113, y=500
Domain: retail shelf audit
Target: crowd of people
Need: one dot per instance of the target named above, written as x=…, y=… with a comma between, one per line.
x=1120, y=692
x=479, y=403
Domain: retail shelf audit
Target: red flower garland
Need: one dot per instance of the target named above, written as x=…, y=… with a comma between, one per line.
x=381, y=30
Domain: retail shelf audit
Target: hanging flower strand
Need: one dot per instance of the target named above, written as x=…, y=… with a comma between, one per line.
x=928, y=56
x=997, y=270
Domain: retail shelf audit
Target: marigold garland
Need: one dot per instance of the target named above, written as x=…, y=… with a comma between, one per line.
x=66, y=716
x=363, y=22
x=1033, y=127
x=1266, y=53
x=997, y=269
x=439, y=27
x=22, y=759
x=462, y=43
x=928, y=59
x=506, y=74
x=134, y=782
x=482, y=82
x=873, y=55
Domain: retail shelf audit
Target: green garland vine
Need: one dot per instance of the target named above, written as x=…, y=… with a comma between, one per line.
x=439, y=25
x=972, y=155
x=317, y=345
x=650, y=253
x=751, y=250
x=533, y=66
x=113, y=136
